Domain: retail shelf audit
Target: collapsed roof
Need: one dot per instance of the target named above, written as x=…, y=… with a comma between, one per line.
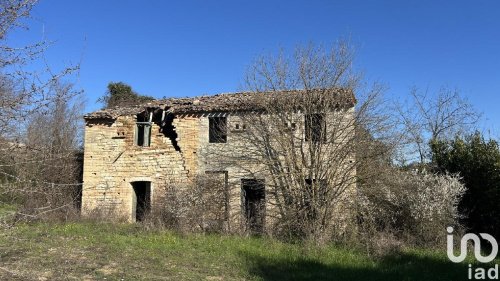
x=227, y=102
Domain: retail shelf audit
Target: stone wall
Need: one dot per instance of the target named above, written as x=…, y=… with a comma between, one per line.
x=112, y=163
x=188, y=130
x=239, y=161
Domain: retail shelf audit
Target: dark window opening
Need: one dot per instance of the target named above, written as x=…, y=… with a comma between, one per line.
x=142, y=117
x=315, y=127
x=254, y=204
x=217, y=129
x=142, y=131
x=141, y=202
x=169, y=131
x=237, y=126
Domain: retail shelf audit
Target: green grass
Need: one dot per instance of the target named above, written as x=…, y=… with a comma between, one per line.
x=97, y=251
x=6, y=209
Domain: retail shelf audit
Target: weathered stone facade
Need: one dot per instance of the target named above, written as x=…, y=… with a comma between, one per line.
x=113, y=160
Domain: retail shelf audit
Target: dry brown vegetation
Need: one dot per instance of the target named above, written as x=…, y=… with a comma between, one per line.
x=40, y=123
x=196, y=207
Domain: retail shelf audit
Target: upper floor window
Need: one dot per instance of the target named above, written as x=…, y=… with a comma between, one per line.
x=142, y=136
x=217, y=129
x=315, y=127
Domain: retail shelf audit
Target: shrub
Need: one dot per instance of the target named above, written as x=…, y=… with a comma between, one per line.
x=194, y=207
x=413, y=206
x=477, y=160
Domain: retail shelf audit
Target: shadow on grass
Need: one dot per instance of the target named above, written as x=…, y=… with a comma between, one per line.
x=396, y=267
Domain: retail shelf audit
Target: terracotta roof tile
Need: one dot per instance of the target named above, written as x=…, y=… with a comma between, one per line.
x=227, y=102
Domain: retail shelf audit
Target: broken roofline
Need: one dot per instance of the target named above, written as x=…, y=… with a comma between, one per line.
x=227, y=102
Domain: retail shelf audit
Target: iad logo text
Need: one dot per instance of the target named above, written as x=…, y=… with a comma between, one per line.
x=478, y=273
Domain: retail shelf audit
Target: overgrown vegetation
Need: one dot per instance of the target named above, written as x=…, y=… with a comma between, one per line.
x=190, y=208
x=43, y=175
x=40, y=126
x=408, y=209
x=477, y=160
x=76, y=251
x=121, y=94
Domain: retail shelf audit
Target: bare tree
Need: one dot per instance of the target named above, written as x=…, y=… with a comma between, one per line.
x=55, y=137
x=34, y=113
x=23, y=90
x=427, y=117
x=43, y=174
x=301, y=138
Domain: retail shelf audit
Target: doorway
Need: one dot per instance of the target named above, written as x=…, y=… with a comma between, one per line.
x=254, y=204
x=141, y=200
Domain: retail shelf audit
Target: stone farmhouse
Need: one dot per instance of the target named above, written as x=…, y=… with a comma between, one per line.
x=130, y=152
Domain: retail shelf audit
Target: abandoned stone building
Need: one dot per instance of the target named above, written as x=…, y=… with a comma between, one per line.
x=131, y=152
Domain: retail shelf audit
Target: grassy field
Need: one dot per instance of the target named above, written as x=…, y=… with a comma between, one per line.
x=92, y=251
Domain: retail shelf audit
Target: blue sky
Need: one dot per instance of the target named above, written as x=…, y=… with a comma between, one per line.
x=188, y=48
